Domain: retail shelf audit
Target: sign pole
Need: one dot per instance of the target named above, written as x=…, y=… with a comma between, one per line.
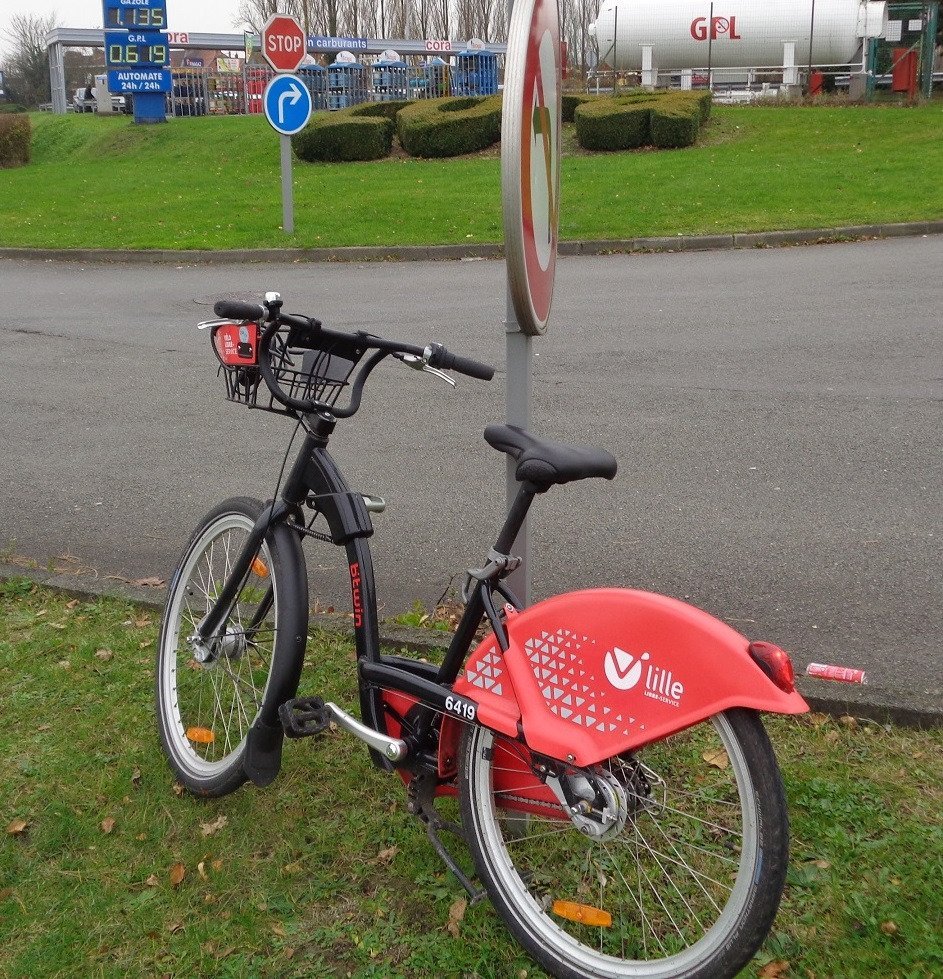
x=530, y=188
x=519, y=359
x=288, y=196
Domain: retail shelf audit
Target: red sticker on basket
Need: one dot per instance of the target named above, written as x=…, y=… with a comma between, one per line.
x=237, y=344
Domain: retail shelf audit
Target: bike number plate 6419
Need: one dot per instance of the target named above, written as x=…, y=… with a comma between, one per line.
x=461, y=708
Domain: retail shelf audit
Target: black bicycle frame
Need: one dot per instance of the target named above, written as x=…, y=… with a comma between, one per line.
x=315, y=479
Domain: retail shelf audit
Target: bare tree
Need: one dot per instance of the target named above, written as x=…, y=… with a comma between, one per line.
x=27, y=65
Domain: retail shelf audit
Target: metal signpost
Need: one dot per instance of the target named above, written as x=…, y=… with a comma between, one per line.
x=137, y=53
x=530, y=185
x=286, y=99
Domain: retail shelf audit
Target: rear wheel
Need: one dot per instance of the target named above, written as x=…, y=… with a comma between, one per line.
x=683, y=876
x=210, y=695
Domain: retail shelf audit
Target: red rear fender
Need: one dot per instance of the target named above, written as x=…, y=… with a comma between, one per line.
x=591, y=674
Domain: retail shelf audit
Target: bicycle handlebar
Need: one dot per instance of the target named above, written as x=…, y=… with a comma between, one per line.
x=270, y=314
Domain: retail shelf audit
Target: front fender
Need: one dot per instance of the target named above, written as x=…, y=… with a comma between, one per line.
x=591, y=674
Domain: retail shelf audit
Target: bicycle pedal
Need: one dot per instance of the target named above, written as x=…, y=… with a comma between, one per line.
x=303, y=717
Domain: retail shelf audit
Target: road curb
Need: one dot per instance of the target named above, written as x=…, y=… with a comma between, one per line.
x=446, y=253
x=838, y=700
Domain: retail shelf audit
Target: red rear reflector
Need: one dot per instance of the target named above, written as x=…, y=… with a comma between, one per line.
x=237, y=344
x=775, y=663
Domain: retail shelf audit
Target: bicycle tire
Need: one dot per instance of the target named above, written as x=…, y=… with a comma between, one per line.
x=205, y=710
x=529, y=862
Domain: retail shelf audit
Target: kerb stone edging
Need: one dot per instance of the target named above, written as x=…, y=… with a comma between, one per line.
x=443, y=253
x=872, y=703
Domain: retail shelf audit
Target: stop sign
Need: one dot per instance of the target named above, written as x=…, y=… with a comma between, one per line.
x=283, y=42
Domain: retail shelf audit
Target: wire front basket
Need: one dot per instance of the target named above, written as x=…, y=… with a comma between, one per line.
x=320, y=373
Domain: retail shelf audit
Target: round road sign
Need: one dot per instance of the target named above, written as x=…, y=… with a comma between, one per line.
x=283, y=42
x=287, y=104
x=530, y=159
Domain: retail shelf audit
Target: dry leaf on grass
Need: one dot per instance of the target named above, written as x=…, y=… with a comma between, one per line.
x=774, y=970
x=456, y=913
x=889, y=927
x=104, y=654
x=17, y=827
x=177, y=873
x=208, y=829
x=148, y=582
x=279, y=929
x=717, y=759
x=107, y=825
x=385, y=856
x=152, y=881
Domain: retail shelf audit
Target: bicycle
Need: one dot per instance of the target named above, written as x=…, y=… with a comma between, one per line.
x=618, y=794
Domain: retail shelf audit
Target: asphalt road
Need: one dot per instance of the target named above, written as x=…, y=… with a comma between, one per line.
x=776, y=416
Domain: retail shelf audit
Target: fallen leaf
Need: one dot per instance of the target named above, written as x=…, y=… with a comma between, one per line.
x=848, y=721
x=217, y=865
x=148, y=582
x=456, y=913
x=201, y=869
x=208, y=829
x=178, y=789
x=72, y=604
x=17, y=827
x=107, y=825
x=141, y=622
x=279, y=929
x=44, y=727
x=5, y=893
x=177, y=873
x=822, y=864
x=136, y=778
x=832, y=736
x=104, y=654
x=889, y=927
x=717, y=759
x=174, y=927
x=385, y=856
x=152, y=881
x=141, y=837
x=774, y=970
x=289, y=953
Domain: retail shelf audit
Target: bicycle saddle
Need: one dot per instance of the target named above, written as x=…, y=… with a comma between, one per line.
x=545, y=463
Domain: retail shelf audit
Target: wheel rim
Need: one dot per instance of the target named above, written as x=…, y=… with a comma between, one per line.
x=208, y=708
x=675, y=881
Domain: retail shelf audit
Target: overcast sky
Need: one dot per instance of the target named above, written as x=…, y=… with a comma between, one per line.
x=214, y=16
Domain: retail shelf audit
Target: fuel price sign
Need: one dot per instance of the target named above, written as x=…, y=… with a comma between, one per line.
x=145, y=48
x=136, y=15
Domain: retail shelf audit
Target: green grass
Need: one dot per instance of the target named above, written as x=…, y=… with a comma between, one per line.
x=214, y=183
x=325, y=874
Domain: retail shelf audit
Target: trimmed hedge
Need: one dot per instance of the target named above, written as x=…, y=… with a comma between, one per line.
x=613, y=124
x=667, y=120
x=15, y=138
x=345, y=136
x=675, y=123
x=449, y=127
x=569, y=103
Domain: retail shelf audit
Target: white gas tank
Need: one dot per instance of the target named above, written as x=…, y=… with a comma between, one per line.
x=733, y=33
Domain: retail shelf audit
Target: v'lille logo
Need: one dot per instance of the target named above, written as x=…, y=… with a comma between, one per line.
x=623, y=670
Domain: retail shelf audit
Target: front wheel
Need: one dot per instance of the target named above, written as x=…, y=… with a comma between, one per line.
x=210, y=695
x=686, y=878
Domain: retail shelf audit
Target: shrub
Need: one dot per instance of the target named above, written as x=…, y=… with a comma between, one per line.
x=449, y=127
x=369, y=110
x=613, y=124
x=675, y=123
x=15, y=136
x=569, y=103
x=344, y=136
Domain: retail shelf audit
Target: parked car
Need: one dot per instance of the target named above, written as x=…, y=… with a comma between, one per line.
x=84, y=101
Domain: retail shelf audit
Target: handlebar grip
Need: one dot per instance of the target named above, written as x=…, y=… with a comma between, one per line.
x=236, y=310
x=446, y=361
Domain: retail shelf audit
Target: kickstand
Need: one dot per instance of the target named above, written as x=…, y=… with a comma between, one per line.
x=422, y=806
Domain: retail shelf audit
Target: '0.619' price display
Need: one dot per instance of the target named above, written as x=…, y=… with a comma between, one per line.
x=135, y=49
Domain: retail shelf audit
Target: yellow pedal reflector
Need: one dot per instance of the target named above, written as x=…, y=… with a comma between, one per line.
x=200, y=735
x=259, y=567
x=582, y=913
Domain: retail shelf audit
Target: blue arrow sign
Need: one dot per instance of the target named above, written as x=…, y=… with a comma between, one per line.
x=287, y=104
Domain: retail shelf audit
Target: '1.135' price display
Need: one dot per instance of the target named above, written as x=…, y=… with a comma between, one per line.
x=122, y=50
x=137, y=18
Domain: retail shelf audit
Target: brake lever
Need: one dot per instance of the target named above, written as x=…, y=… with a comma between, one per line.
x=418, y=364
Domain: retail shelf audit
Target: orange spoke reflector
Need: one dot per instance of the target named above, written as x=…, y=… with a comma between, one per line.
x=200, y=735
x=259, y=567
x=582, y=913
